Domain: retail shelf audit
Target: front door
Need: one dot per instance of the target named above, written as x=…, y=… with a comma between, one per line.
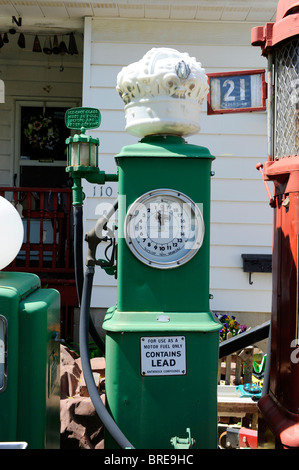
x=40, y=155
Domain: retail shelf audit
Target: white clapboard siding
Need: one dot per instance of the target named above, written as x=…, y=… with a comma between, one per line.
x=243, y=56
x=232, y=301
x=231, y=255
x=30, y=77
x=5, y=142
x=241, y=219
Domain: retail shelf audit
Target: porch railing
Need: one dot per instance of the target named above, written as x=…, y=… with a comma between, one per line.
x=48, y=235
x=236, y=354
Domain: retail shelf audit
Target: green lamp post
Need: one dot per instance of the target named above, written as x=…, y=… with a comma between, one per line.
x=83, y=162
x=83, y=150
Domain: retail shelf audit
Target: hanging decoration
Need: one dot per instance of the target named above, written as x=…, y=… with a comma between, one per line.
x=47, y=49
x=52, y=44
x=36, y=45
x=72, y=45
x=42, y=133
x=55, y=48
x=21, y=41
x=62, y=48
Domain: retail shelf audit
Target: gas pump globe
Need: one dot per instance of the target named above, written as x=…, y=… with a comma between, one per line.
x=279, y=42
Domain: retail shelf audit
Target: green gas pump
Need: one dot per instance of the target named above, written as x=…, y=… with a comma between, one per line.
x=29, y=349
x=29, y=383
x=162, y=340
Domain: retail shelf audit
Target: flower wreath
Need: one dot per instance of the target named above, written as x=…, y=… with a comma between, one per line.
x=42, y=133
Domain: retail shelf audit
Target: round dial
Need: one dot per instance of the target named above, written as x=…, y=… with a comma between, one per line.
x=164, y=228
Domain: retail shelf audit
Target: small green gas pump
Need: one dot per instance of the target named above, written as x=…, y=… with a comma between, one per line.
x=161, y=338
x=29, y=388
x=29, y=349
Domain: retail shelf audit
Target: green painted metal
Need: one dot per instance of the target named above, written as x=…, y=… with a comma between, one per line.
x=77, y=140
x=151, y=410
x=163, y=163
x=77, y=191
x=162, y=304
x=183, y=442
x=132, y=322
x=9, y=396
x=78, y=118
x=169, y=146
x=92, y=175
x=29, y=404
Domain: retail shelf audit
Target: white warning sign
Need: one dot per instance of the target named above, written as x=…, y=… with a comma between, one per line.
x=163, y=355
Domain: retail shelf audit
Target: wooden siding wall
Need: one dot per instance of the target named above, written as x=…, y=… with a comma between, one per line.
x=32, y=76
x=241, y=219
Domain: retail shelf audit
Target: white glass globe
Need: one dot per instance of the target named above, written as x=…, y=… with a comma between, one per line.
x=11, y=232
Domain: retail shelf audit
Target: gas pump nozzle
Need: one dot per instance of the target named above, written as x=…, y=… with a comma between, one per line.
x=95, y=236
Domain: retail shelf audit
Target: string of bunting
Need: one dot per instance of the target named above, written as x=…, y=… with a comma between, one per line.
x=51, y=45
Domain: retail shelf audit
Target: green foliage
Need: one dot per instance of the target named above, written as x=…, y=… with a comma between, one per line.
x=94, y=350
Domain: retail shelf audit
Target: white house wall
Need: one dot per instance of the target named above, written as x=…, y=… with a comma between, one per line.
x=241, y=219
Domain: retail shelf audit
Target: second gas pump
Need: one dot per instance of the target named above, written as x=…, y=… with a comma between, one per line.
x=162, y=340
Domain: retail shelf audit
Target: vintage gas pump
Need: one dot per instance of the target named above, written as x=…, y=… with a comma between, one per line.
x=161, y=338
x=279, y=42
x=29, y=349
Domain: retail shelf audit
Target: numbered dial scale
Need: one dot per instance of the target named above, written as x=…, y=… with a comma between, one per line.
x=164, y=228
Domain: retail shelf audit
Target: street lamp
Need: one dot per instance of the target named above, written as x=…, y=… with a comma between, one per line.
x=82, y=152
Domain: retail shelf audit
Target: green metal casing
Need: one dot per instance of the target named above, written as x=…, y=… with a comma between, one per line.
x=150, y=410
x=29, y=401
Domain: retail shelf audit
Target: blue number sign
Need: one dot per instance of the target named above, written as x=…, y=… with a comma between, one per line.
x=237, y=92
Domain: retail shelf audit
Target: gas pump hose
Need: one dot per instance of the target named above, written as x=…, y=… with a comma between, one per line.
x=78, y=243
x=79, y=270
x=100, y=408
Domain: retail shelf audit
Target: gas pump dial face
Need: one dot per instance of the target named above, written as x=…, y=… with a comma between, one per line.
x=164, y=228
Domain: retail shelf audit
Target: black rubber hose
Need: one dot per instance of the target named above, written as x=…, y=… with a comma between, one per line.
x=79, y=270
x=100, y=408
x=78, y=248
